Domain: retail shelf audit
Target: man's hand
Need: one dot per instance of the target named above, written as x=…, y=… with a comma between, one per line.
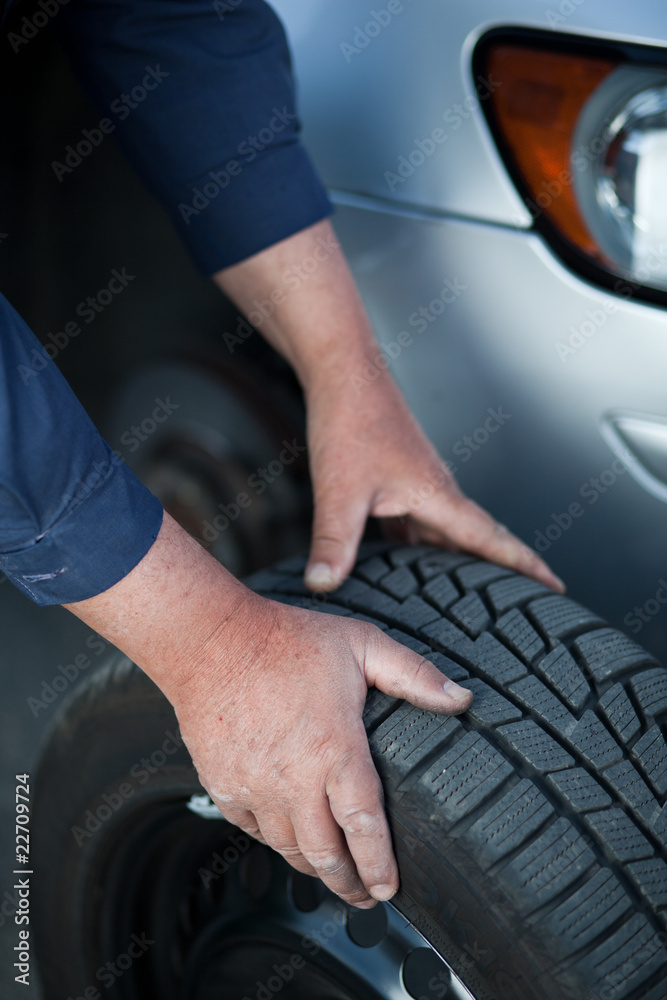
x=272, y=718
x=367, y=453
x=269, y=698
x=269, y=701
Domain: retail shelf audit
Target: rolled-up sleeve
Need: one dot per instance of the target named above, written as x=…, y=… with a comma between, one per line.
x=74, y=519
x=200, y=96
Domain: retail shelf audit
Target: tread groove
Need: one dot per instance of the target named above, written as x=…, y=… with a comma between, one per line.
x=571, y=707
x=545, y=802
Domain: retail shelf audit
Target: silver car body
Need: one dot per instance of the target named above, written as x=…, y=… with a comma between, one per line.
x=531, y=430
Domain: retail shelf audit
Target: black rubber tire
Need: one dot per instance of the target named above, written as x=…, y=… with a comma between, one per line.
x=531, y=832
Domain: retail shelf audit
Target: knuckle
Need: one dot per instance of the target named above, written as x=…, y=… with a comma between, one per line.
x=353, y=761
x=289, y=851
x=416, y=667
x=370, y=635
x=367, y=629
x=414, y=672
x=329, y=540
x=329, y=524
x=327, y=864
x=250, y=826
x=321, y=746
x=373, y=642
x=296, y=860
x=361, y=822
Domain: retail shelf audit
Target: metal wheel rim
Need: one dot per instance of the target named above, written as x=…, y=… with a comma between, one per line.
x=228, y=918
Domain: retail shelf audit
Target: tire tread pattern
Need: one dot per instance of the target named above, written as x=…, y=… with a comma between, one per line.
x=557, y=775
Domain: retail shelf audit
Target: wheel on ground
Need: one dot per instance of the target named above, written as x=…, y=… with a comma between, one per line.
x=531, y=832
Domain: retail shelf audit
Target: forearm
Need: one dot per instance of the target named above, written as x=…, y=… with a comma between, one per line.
x=367, y=453
x=169, y=610
x=318, y=322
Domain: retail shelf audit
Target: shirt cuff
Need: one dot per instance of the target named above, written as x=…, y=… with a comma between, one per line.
x=109, y=525
x=237, y=210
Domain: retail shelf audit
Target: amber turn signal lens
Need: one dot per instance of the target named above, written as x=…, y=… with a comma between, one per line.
x=536, y=103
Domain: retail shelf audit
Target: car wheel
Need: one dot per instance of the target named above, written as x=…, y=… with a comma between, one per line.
x=225, y=459
x=531, y=832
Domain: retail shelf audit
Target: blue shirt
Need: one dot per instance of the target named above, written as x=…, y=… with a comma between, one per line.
x=200, y=96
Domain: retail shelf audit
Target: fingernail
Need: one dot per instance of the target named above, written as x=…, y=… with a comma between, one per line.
x=382, y=892
x=561, y=583
x=455, y=690
x=319, y=576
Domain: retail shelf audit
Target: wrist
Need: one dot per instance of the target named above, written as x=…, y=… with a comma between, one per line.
x=338, y=365
x=317, y=320
x=224, y=651
x=170, y=609
x=360, y=388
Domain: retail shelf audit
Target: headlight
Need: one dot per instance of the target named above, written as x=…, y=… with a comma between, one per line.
x=584, y=133
x=623, y=193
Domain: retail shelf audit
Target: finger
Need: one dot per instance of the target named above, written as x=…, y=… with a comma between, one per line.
x=463, y=523
x=243, y=818
x=401, y=673
x=338, y=524
x=279, y=834
x=323, y=845
x=355, y=794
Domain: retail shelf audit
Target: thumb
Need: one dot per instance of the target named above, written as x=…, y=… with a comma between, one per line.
x=338, y=524
x=401, y=673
